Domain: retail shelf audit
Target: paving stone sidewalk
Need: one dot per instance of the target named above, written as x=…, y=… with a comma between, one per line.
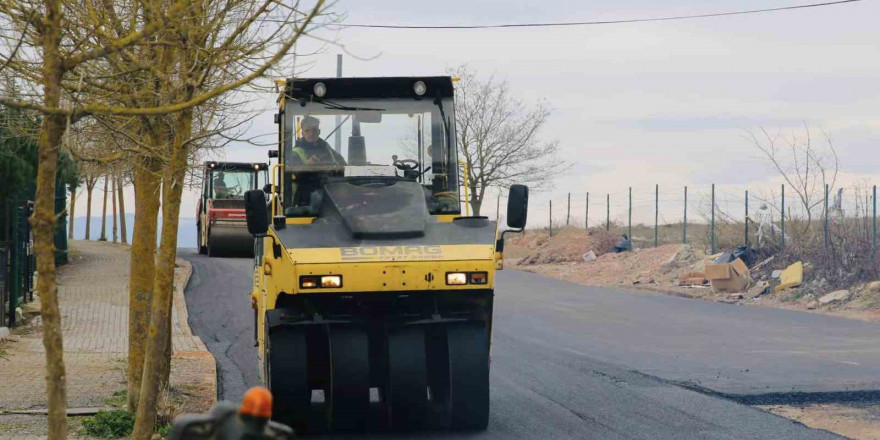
x=93, y=295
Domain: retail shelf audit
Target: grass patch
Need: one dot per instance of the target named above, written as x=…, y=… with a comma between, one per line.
x=109, y=424
x=118, y=399
x=4, y=353
x=164, y=430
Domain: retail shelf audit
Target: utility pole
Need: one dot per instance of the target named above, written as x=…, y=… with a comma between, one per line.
x=338, y=134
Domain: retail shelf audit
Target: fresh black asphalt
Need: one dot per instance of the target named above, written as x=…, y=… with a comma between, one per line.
x=575, y=362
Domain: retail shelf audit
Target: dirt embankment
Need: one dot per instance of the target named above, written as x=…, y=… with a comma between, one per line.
x=659, y=269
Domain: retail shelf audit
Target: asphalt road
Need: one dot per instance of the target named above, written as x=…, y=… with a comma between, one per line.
x=575, y=362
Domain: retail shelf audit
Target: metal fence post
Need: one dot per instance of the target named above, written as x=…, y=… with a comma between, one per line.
x=684, y=224
x=608, y=213
x=15, y=254
x=874, y=253
x=551, y=218
x=783, y=216
x=656, y=212
x=826, y=215
x=629, y=228
x=568, y=211
x=747, y=217
x=712, y=227
x=587, y=213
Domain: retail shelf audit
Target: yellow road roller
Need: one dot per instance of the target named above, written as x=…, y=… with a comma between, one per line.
x=372, y=293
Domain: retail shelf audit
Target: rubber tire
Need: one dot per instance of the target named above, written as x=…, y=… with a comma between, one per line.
x=407, y=383
x=287, y=376
x=349, y=378
x=469, y=376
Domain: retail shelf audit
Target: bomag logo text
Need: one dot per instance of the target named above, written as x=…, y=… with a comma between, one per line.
x=391, y=253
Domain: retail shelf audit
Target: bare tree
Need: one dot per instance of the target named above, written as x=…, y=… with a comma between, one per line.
x=80, y=59
x=500, y=141
x=805, y=167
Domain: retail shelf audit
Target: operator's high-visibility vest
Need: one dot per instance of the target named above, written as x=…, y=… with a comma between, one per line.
x=301, y=152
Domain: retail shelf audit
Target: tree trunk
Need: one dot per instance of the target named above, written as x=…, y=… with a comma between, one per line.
x=476, y=199
x=43, y=221
x=142, y=273
x=72, y=213
x=160, y=311
x=103, y=236
x=113, y=194
x=122, y=228
x=89, y=189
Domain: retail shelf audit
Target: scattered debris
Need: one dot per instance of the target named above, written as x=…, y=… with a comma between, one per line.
x=744, y=253
x=839, y=295
x=692, y=278
x=624, y=245
x=733, y=277
x=760, y=288
x=762, y=264
x=792, y=276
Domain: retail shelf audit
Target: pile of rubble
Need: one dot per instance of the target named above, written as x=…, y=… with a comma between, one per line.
x=566, y=246
x=742, y=274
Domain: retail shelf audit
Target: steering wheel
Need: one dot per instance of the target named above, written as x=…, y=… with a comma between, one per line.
x=233, y=191
x=405, y=164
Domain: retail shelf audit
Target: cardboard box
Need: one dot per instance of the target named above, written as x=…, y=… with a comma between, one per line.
x=730, y=277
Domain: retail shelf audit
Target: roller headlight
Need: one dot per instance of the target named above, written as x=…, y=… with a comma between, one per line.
x=465, y=278
x=320, y=90
x=420, y=88
x=456, y=278
x=331, y=281
x=320, y=281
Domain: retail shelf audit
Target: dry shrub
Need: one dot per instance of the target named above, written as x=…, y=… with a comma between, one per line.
x=170, y=405
x=602, y=241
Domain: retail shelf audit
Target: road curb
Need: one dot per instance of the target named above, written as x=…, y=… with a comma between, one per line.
x=201, y=351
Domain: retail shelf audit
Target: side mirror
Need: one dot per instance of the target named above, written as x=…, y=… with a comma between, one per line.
x=517, y=206
x=267, y=188
x=255, y=211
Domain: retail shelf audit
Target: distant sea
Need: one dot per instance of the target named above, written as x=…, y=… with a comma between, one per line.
x=186, y=230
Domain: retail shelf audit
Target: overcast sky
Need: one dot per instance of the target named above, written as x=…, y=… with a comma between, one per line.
x=645, y=103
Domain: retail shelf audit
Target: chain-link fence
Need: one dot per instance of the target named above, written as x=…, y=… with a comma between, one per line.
x=717, y=218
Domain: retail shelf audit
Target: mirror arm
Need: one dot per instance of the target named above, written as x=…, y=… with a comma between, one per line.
x=499, y=245
x=276, y=247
